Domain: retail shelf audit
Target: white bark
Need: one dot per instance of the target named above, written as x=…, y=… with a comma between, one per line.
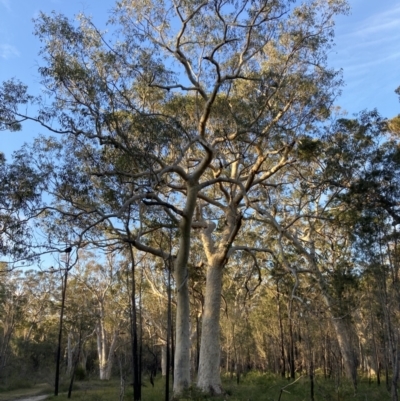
x=105, y=353
x=209, y=375
x=182, y=329
x=345, y=345
x=209, y=379
x=163, y=360
x=182, y=342
x=106, y=358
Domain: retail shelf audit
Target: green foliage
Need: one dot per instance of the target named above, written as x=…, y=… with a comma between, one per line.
x=394, y=125
x=309, y=148
x=20, y=195
x=133, y=134
x=12, y=94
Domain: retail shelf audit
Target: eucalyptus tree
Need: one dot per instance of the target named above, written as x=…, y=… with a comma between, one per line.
x=340, y=179
x=261, y=116
x=97, y=282
x=308, y=241
x=12, y=305
x=373, y=215
x=20, y=195
x=20, y=185
x=181, y=100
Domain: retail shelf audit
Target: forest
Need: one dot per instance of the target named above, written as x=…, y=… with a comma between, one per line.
x=197, y=211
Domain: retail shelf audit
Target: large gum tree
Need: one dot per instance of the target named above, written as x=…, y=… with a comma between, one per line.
x=181, y=113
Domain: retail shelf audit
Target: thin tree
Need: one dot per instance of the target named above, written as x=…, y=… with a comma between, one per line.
x=64, y=280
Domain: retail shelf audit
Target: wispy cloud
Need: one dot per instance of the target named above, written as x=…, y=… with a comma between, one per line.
x=6, y=4
x=380, y=23
x=372, y=63
x=8, y=51
x=368, y=51
x=369, y=42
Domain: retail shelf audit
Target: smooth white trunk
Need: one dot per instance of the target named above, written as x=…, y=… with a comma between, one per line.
x=106, y=358
x=105, y=353
x=182, y=335
x=163, y=360
x=181, y=273
x=344, y=338
x=346, y=349
x=209, y=379
x=209, y=365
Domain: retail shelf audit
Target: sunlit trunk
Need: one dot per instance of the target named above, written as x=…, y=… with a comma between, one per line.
x=105, y=353
x=209, y=365
x=343, y=336
x=182, y=329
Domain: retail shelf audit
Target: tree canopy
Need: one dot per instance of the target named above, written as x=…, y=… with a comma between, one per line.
x=202, y=135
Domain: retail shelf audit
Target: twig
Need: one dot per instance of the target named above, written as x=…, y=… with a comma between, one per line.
x=283, y=388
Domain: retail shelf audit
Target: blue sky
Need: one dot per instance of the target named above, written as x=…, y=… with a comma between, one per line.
x=367, y=49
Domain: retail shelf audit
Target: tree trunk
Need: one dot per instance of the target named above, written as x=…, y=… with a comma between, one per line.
x=60, y=328
x=209, y=364
x=182, y=324
x=166, y=364
x=83, y=359
x=346, y=349
x=209, y=361
x=182, y=332
x=136, y=368
x=395, y=374
x=105, y=358
x=282, y=363
x=291, y=351
x=163, y=360
x=70, y=355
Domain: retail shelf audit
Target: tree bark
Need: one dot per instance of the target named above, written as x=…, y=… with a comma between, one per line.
x=105, y=355
x=281, y=334
x=209, y=376
x=70, y=355
x=209, y=361
x=163, y=360
x=64, y=289
x=182, y=324
x=346, y=349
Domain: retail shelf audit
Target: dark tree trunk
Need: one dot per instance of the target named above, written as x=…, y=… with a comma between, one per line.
x=169, y=335
x=134, y=335
x=64, y=290
x=76, y=361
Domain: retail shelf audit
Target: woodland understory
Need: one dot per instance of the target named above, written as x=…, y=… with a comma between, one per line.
x=197, y=204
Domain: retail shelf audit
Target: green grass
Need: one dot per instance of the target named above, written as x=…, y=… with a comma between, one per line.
x=253, y=387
